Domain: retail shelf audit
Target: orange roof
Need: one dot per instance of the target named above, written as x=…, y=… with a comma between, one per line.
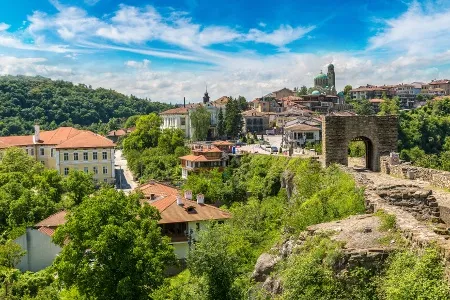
x=376, y=100
x=54, y=220
x=63, y=135
x=221, y=101
x=191, y=157
x=171, y=212
x=302, y=127
x=441, y=81
x=175, y=111
x=47, y=230
x=119, y=132
x=222, y=143
x=86, y=139
x=206, y=149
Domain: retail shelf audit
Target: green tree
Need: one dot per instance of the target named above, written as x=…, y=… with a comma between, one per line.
x=363, y=107
x=113, y=248
x=233, y=118
x=201, y=121
x=303, y=91
x=146, y=134
x=389, y=106
x=131, y=121
x=170, y=139
x=347, y=89
x=78, y=185
x=220, y=123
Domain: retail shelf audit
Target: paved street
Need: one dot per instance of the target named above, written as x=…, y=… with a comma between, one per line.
x=124, y=178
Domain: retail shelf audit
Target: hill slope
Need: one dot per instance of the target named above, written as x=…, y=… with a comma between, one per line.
x=25, y=101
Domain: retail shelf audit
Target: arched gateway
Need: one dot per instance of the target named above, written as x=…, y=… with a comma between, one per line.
x=379, y=133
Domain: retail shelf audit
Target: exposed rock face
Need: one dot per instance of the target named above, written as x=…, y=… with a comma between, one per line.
x=264, y=265
x=419, y=202
x=287, y=181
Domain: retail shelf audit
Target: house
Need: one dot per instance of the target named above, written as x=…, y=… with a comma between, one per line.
x=284, y=92
x=267, y=105
x=203, y=157
x=443, y=84
x=376, y=104
x=369, y=92
x=181, y=216
x=68, y=148
x=298, y=135
x=224, y=146
x=37, y=242
x=255, y=121
x=179, y=117
x=114, y=135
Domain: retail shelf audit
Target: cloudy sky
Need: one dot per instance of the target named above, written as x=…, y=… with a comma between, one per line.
x=168, y=49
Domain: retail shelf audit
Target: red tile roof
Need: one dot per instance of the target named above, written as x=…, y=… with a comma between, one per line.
x=56, y=219
x=119, y=132
x=69, y=136
x=171, y=212
x=176, y=111
x=47, y=230
x=302, y=127
x=441, y=81
x=191, y=157
x=376, y=100
x=222, y=143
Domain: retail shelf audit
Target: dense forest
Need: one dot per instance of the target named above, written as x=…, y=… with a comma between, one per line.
x=424, y=135
x=26, y=101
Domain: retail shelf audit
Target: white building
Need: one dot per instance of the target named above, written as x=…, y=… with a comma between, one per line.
x=298, y=135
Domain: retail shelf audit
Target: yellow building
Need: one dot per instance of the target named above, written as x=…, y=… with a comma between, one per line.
x=68, y=148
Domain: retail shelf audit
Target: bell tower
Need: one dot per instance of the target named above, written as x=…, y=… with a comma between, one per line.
x=206, y=96
x=331, y=76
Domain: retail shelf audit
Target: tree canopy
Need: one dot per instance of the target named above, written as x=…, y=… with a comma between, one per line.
x=201, y=121
x=113, y=248
x=53, y=103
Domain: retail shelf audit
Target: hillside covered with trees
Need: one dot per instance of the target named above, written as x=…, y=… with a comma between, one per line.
x=26, y=101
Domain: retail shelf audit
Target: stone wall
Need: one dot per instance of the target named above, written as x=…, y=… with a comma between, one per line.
x=436, y=178
x=379, y=133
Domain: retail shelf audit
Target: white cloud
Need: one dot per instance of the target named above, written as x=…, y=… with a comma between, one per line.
x=262, y=24
x=279, y=37
x=418, y=30
x=138, y=64
x=4, y=26
x=91, y=2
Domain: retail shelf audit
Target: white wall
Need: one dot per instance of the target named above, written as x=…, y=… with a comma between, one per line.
x=40, y=250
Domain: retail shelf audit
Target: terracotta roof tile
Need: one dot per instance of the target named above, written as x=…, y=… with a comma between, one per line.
x=56, y=219
x=47, y=230
x=302, y=127
x=191, y=157
x=222, y=143
x=119, y=132
x=86, y=139
x=176, y=111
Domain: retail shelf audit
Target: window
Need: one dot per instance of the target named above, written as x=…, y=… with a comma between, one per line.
x=86, y=170
x=85, y=156
x=105, y=180
x=105, y=170
x=75, y=156
x=32, y=152
x=41, y=151
x=51, y=152
x=66, y=171
x=95, y=169
x=94, y=155
x=183, y=121
x=105, y=155
x=310, y=135
x=66, y=156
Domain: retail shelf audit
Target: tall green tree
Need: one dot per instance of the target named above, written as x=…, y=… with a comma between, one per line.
x=148, y=129
x=363, y=107
x=113, y=248
x=347, y=89
x=170, y=139
x=233, y=118
x=389, y=106
x=220, y=123
x=201, y=121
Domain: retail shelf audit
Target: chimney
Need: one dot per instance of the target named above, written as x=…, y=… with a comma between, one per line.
x=188, y=195
x=200, y=199
x=184, y=101
x=36, y=137
x=179, y=200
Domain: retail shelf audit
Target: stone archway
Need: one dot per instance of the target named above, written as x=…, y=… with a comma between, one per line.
x=378, y=132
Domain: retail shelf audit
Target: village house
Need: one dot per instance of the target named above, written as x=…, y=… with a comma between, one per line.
x=298, y=135
x=255, y=121
x=182, y=216
x=203, y=157
x=115, y=135
x=68, y=148
x=37, y=242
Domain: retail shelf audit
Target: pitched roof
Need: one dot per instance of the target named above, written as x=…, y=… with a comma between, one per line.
x=86, y=139
x=221, y=101
x=62, y=135
x=54, y=220
x=375, y=100
x=222, y=143
x=441, y=81
x=191, y=157
x=302, y=127
x=176, y=111
x=171, y=212
x=118, y=132
x=252, y=113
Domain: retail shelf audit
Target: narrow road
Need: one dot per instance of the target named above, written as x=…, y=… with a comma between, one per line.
x=124, y=177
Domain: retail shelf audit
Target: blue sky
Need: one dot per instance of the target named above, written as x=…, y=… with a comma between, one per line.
x=169, y=49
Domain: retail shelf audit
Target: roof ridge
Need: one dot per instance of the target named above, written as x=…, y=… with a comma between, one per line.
x=52, y=215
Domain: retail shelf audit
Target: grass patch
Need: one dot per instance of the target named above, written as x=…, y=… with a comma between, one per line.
x=388, y=221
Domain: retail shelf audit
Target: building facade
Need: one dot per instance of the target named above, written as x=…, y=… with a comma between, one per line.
x=203, y=157
x=298, y=135
x=68, y=148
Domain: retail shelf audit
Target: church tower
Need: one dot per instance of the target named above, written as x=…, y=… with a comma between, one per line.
x=331, y=76
x=206, y=97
